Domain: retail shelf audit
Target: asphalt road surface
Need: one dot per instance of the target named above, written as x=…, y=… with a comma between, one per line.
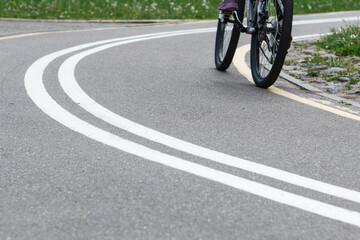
x=112, y=131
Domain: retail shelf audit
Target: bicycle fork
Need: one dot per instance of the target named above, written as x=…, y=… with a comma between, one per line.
x=257, y=15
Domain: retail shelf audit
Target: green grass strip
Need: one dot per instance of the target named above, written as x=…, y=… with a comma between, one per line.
x=342, y=42
x=144, y=9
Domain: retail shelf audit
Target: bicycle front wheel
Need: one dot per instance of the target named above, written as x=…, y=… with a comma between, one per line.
x=227, y=37
x=270, y=43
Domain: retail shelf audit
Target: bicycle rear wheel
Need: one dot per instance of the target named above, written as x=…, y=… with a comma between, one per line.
x=271, y=41
x=227, y=37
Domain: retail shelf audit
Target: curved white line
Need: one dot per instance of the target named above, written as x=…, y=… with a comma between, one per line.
x=325, y=20
x=73, y=90
x=37, y=92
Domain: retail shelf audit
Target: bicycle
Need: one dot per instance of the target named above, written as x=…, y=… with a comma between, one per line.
x=270, y=23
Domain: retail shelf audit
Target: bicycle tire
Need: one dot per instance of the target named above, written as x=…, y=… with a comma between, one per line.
x=227, y=37
x=269, y=47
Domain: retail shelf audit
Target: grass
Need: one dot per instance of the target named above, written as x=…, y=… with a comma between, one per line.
x=342, y=42
x=331, y=62
x=313, y=73
x=144, y=9
x=330, y=79
x=320, y=6
x=348, y=86
x=354, y=81
x=109, y=9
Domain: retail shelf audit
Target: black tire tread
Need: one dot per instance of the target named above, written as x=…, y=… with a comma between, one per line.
x=285, y=41
x=224, y=64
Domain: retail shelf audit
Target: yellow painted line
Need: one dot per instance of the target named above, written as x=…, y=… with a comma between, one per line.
x=65, y=31
x=333, y=104
x=313, y=103
x=22, y=35
x=242, y=67
x=81, y=30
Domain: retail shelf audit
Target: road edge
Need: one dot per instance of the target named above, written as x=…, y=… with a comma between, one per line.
x=311, y=88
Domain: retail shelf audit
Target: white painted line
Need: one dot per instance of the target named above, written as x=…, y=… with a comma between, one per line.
x=295, y=23
x=37, y=92
x=74, y=91
x=325, y=20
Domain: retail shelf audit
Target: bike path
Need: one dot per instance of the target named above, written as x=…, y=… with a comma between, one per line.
x=65, y=184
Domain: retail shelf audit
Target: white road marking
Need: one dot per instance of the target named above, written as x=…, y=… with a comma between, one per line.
x=295, y=23
x=37, y=92
x=74, y=91
x=325, y=20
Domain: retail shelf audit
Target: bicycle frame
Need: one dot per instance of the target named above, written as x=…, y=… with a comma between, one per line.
x=255, y=15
